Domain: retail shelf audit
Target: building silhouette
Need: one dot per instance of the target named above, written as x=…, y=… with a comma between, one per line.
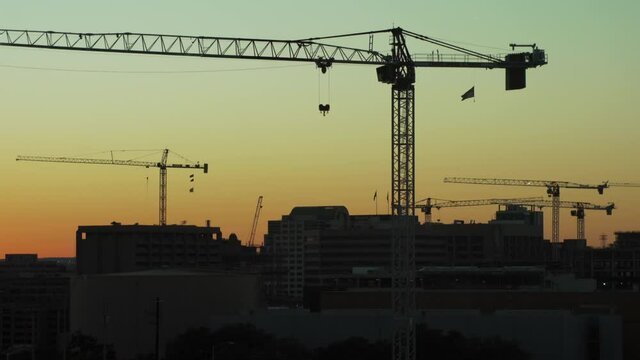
x=284, y=247
x=315, y=248
x=130, y=310
x=34, y=304
x=125, y=248
x=616, y=267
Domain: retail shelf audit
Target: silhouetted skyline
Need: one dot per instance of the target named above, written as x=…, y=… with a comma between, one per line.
x=261, y=132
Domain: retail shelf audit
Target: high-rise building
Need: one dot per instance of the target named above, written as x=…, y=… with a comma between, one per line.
x=315, y=248
x=284, y=247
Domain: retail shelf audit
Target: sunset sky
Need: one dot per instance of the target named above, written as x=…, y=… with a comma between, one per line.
x=256, y=122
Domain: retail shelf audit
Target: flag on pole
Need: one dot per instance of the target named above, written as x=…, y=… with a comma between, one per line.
x=469, y=94
x=375, y=195
x=388, y=208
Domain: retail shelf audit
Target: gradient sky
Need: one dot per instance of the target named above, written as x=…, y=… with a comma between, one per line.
x=260, y=130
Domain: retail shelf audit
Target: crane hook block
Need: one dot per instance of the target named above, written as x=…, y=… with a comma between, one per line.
x=324, y=109
x=323, y=64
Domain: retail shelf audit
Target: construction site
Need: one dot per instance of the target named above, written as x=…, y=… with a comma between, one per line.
x=134, y=267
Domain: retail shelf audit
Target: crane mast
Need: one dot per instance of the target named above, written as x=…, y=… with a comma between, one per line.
x=162, y=165
x=427, y=207
x=579, y=214
x=163, y=187
x=403, y=264
x=254, y=225
x=396, y=69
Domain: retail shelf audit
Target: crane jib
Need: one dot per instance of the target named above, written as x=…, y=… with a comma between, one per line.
x=268, y=49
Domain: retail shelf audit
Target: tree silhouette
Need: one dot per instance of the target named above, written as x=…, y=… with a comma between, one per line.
x=234, y=342
x=85, y=347
x=246, y=342
x=355, y=348
x=436, y=344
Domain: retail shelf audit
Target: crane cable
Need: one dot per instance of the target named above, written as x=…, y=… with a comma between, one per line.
x=328, y=89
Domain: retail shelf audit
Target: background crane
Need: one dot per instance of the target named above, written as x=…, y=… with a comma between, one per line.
x=553, y=190
x=427, y=207
x=579, y=208
x=254, y=225
x=162, y=165
x=396, y=68
x=429, y=204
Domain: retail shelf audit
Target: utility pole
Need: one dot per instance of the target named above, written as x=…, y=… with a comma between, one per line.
x=603, y=240
x=157, y=347
x=33, y=334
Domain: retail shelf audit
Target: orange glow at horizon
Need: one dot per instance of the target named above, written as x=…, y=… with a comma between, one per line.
x=257, y=126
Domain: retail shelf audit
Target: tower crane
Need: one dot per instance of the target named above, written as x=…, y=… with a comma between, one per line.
x=395, y=67
x=254, y=225
x=578, y=211
x=429, y=205
x=162, y=165
x=553, y=191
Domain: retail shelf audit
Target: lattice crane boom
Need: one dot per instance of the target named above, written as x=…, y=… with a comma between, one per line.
x=567, y=204
x=74, y=160
x=396, y=68
x=579, y=211
x=520, y=182
x=553, y=190
x=429, y=204
x=624, y=184
x=162, y=165
x=305, y=50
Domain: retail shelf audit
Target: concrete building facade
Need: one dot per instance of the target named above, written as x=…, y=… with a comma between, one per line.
x=125, y=248
x=284, y=247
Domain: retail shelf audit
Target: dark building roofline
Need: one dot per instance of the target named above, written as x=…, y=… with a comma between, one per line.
x=325, y=213
x=148, y=228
